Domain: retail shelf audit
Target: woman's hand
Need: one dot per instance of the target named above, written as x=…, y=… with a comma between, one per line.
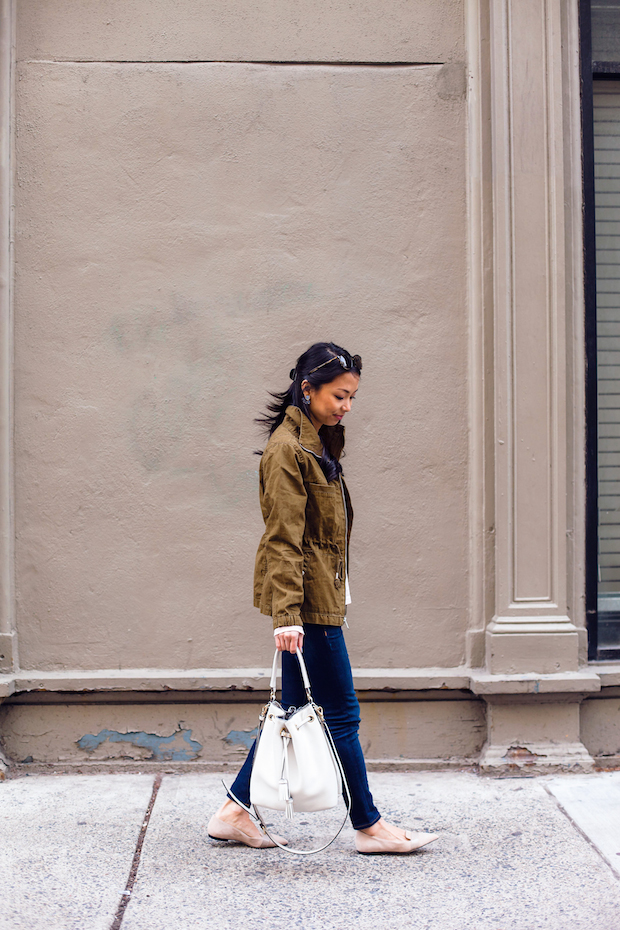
x=289, y=642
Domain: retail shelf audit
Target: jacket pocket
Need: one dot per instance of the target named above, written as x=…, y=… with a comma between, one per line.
x=322, y=579
x=325, y=518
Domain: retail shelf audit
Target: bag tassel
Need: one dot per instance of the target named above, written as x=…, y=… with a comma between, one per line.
x=285, y=795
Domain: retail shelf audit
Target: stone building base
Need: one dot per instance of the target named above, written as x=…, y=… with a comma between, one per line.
x=503, y=725
x=535, y=758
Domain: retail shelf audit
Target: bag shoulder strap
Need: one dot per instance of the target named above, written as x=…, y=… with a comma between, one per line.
x=345, y=793
x=345, y=787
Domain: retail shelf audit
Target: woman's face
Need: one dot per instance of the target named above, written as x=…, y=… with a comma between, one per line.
x=330, y=402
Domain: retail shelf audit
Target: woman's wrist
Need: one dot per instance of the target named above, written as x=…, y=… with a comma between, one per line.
x=288, y=629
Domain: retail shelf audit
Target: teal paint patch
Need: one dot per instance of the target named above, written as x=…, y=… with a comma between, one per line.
x=243, y=738
x=163, y=748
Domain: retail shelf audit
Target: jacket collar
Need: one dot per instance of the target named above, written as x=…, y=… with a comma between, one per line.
x=332, y=436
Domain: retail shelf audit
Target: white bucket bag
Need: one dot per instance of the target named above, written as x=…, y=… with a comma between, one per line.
x=296, y=765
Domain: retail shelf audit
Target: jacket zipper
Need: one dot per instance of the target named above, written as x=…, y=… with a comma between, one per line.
x=346, y=533
x=310, y=452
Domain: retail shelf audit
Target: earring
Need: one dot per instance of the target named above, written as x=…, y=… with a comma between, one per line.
x=306, y=398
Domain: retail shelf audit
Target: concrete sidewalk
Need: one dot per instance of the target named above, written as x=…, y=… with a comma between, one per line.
x=514, y=854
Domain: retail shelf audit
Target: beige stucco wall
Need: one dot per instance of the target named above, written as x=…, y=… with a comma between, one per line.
x=183, y=231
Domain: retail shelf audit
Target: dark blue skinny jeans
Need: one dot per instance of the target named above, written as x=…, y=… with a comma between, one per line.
x=329, y=670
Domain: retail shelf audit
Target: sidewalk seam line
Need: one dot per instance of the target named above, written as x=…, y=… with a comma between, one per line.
x=615, y=873
x=135, y=862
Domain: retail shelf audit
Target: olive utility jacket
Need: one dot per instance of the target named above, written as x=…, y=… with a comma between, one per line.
x=301, y=562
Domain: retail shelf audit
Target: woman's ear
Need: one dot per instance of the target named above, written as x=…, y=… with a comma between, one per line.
x=306, y=387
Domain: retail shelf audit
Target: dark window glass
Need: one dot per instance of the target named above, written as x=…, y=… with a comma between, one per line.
x=606, y=99
x=605, y=32
x=600, y=76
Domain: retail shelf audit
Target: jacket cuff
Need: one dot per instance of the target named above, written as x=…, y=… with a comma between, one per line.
x=286, y=620
x=288, y=629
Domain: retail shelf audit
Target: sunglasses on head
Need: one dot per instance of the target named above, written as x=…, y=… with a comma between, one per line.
x=356, y=362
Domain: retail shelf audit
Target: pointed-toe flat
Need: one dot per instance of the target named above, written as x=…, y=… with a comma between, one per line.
x=220, y=830
x=376, y=846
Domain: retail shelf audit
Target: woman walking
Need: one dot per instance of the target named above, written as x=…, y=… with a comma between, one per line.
x=301, y=581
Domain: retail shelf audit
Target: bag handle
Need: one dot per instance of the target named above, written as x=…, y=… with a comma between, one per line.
x=304, y=675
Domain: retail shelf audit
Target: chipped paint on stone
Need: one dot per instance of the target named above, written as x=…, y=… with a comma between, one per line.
x=163, y=748
x=241, y=739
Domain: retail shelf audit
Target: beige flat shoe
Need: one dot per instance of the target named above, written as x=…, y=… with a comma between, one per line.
x=220, y=830
x=377, y=846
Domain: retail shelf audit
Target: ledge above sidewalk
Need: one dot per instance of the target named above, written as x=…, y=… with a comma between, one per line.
x=480, y=682
x=608, y=672
x=7, y=686
x=220, y=679
x=585, y=679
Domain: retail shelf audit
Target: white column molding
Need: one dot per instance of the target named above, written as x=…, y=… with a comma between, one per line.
x=8, y=641
x=480, y=253
x=575, y=320
x=531, y=629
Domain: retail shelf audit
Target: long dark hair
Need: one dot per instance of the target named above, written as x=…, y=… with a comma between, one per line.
x=317, y=355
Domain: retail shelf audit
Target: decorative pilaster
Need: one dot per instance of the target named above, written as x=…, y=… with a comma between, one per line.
x=531, y=630
x=525, y=252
